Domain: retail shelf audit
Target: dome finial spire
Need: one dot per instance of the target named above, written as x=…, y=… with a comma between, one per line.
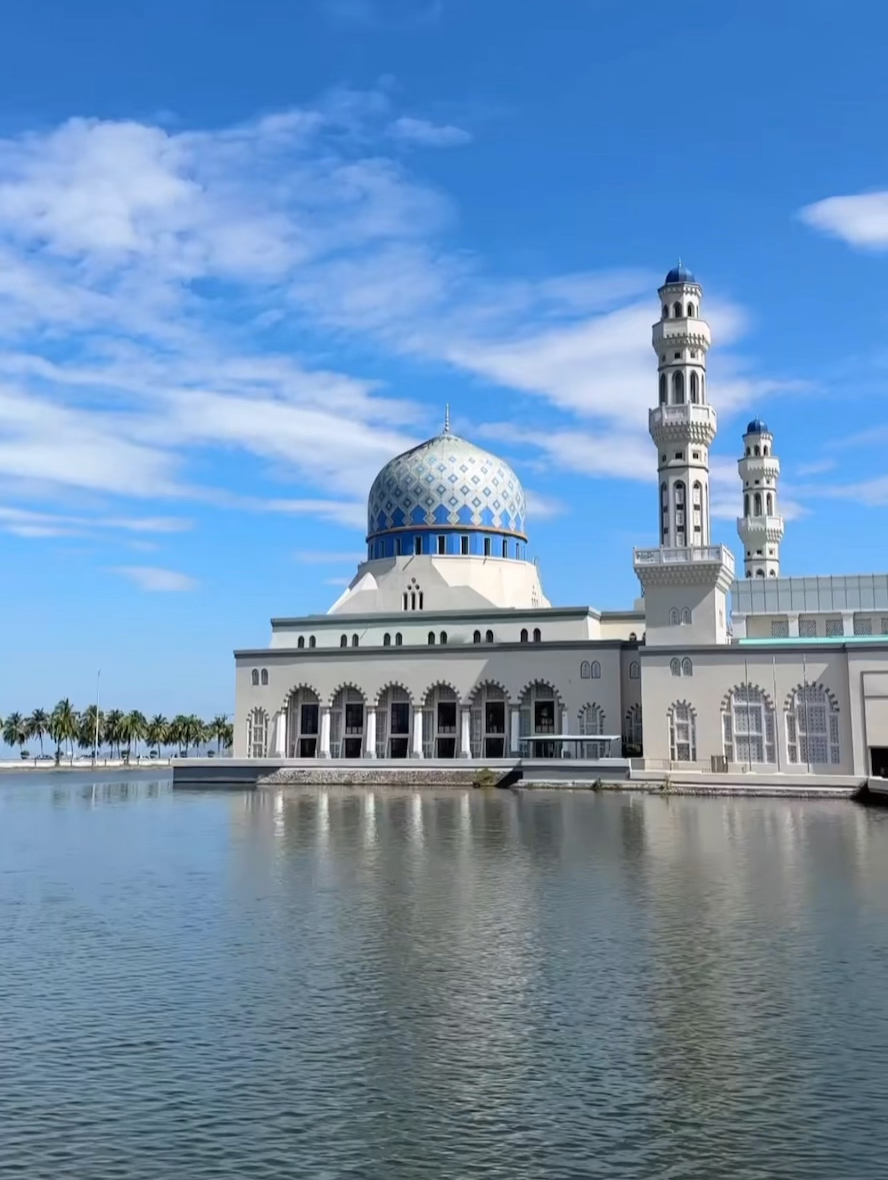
x=447, y=417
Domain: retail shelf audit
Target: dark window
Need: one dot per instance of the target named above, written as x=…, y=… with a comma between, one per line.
x=443, y=636
x=343, y=642
x=488, y=638
x=487, y=546
x=254, y=678
x=537, y=635
x=665, y=311
x=398, y=639
x=386, y=640
x=676, y=310
x=476, y=638
x=662, y=389
x=694, y=394
x=397, y=546
x=464, y=545
x=265, y=676
x=354, y=641
x=524, y=635
x=442, y=544
x=505, y=547
x=417, y=545
x=692, y=311
x=300, y=642
x=431, y=638
x=312, y=642
x=678, y=388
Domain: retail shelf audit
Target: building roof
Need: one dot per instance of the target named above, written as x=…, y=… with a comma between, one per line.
x=680, y=274
x=757, y=426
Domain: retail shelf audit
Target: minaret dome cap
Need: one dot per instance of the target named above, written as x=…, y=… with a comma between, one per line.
x=757, y=426
x=679, y=274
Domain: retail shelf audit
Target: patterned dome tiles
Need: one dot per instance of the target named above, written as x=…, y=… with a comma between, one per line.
x=453, y=482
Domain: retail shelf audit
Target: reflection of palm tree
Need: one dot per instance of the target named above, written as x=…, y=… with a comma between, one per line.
x=15, y=731
x=38, y=726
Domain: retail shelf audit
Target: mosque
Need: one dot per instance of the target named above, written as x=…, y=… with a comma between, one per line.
x=445, y=646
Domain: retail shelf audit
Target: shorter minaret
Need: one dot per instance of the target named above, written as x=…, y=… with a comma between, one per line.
x=761, y=525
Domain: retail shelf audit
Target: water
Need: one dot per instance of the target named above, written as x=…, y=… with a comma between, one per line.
x=446, y=985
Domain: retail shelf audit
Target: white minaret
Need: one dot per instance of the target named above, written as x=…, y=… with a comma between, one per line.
x=683, y=425
x=686, y=579
x=761, y=525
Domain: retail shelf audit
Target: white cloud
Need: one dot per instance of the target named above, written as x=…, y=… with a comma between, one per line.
x=426, y=134
x=322, y=557
x=153, y=578
x=860, y=220
x=820, y=467
x=24, y=522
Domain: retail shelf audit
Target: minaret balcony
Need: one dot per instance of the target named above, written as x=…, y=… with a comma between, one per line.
x=683, y=424
x=762, y=528
x=689, y=331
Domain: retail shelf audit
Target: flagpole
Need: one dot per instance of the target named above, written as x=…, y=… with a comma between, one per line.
x=96, y=734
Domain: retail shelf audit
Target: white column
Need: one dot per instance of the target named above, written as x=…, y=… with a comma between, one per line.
x=465, y=733
x=566, y=750
x=847, y=622
x=280, y=735
x=324, y=751
x=793, y=618
x=417, y=733
x=515, y=727
x=370, y=735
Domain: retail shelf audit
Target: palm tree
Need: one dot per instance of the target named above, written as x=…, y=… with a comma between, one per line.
x=157, y=732
x=228, y=735
x=196, y=731
x=89, y=736
x=136, y=726
x=63, y=726
x=15, y=731
x=113, y=736
x=38, y=726
x=217, y=729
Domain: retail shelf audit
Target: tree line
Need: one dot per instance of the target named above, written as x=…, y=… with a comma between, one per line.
x=92, y=731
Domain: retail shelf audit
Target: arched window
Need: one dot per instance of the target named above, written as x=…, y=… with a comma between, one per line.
x=632, y=731
x=759, y=573
x=399, y=639
x=300, y=642
x=264, y=677
x=674, y=617
x=591, y=719
x=686, y=615
x=812, y=727
x=679, y=493
x=687, y=668
x=431, y=638
x=662, y=389
x=387, y=640
x=312, y=642
x=746, y=503
x=748, y=725
x=702, y=387
x=537, y=635
x=443, y=636
x=257, y=733
x=682, y=733
x=766, y=450
x=757, y=504
x=476, y=638
x=343, y=641
x=769, y=501
x=678, y=388
x=354, y=641
x=585, y=670
x=694, y=388
x=633, y=638
x=757, y=449
x=524, y=635
x=596, y=670
x=692, y=311
x=634, y=670
x=675, y=666
x=665, y=311
x=254, y=678
x=676, y=310
x=488, y=638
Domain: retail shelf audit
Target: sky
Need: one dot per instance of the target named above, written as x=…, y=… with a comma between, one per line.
x=249, y=250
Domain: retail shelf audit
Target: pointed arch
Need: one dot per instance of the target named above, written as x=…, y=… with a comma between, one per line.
x=678, y=388
x=748, y=725
x=590, y=720
x=376, y=698
x=694, y=388
x=632, y=726
x=344, y=684
x=663, y=389
x=257, y=733
x=682, y=718
x=440, y=682
x=811, y=715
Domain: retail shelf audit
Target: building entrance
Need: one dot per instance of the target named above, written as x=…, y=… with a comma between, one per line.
x=879, y=761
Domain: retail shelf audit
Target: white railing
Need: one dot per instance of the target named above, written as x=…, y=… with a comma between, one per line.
x=684, y=556
x=692, y=412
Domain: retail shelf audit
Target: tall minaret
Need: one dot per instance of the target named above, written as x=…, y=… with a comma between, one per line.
x=683, y=425
x=686, y=579
x=761, y=525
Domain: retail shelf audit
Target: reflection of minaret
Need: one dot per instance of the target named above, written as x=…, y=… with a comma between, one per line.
x=761, y=525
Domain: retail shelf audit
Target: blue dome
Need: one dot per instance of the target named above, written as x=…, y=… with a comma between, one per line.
x=679, y=274
x=757, y=426
x=446, y=488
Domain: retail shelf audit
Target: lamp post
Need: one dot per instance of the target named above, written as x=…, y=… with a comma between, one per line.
x=96, y=733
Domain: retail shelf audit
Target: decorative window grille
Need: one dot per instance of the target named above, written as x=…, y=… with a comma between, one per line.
x=807, y=628
x=596, y=670
x=812, y=727
x=591, y=720
x=634, y=670
x=883, y=628
x=257, y=733
x=834, y=627
x=748, y=726
x=687, y=668
x=779, y=628
x=863, y=625
x=682, y=733
x=634, y=726
x=585, y=670
x=674, y=617
x=686, y=615
x=675, y=667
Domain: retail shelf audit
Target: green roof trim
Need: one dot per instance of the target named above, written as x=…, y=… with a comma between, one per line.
x=806, y=642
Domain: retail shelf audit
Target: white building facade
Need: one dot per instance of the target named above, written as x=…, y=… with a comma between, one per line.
x=444, y=645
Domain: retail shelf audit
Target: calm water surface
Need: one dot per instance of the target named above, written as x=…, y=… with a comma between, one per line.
x=391, y=985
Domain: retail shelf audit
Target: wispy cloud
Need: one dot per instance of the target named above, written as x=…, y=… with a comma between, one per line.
x=819, y=467
x=426, y=134
x=322, y=557
x=860, y=220
x=155, y=579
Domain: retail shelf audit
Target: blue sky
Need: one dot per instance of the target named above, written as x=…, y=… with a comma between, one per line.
x=249, y=250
